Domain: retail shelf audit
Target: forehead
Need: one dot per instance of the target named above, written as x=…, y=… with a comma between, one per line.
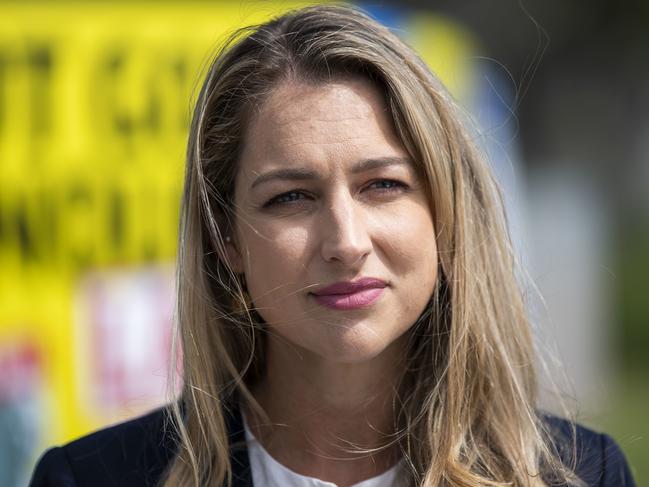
x=319, y=125
x=341, y=103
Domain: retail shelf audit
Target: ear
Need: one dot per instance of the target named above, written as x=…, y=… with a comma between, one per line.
x=233, y=255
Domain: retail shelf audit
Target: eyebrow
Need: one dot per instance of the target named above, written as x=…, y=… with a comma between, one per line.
x=302, y=173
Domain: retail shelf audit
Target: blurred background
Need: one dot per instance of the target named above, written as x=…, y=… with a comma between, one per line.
x=95, y=100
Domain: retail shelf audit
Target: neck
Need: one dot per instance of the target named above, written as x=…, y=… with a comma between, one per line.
x=321, y=411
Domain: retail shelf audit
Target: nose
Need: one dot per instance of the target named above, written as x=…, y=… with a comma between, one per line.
x=346, y=237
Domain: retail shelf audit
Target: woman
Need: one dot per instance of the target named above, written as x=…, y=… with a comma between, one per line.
x=347, y=308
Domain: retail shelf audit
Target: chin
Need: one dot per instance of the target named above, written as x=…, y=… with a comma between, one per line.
x=356, y=347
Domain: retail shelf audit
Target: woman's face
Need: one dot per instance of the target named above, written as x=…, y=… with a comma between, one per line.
x=326, y=193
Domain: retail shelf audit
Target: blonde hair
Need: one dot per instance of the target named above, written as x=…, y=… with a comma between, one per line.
x=468, y=416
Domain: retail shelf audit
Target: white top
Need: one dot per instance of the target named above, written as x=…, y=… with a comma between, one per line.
x=266, y=471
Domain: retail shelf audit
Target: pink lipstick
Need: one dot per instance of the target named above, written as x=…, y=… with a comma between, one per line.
x=346, y=295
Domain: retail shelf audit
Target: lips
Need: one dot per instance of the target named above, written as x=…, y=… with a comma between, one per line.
x=346, y=295
x=351, y=287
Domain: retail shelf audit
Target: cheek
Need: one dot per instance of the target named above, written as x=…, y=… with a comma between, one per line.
x=416, y=253
x=273, y=262
x=409, y=237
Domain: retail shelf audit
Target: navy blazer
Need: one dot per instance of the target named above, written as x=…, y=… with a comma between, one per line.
x=135, y=453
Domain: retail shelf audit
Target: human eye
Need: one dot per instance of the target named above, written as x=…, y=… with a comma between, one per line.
x=388, y=186
x=287, y=198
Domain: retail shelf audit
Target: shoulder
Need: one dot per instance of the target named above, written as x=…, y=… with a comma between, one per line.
x=595, y=457
x=135, y=452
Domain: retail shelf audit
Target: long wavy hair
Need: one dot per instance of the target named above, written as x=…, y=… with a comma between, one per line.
x=468, y=414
